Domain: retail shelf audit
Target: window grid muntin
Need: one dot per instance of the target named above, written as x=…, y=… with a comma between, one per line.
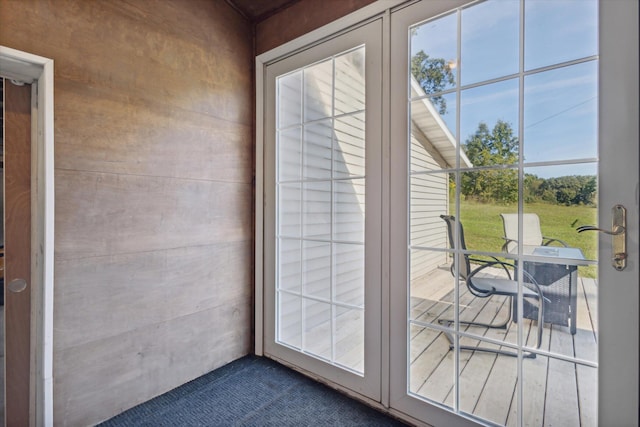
x=331, y=241
x=520, y=166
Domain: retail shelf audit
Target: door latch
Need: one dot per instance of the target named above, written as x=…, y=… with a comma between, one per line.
x=618, y=234
x=17, y=285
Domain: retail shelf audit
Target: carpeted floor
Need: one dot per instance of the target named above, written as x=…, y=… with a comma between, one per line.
x=252, y=391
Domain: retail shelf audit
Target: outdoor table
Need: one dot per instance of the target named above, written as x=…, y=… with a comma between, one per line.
x=555, y=269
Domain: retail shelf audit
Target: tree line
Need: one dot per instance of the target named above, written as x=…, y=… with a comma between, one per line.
x=497, y=149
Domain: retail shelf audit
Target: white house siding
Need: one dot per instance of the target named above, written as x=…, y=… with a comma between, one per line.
x=321, y=207
x=429, y=200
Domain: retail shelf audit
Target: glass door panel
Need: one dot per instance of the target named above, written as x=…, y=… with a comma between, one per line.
x=500, y=145
x=327, y=293
x=324, y=228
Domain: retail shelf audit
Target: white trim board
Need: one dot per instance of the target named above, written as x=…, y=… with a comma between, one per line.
x=37, y=70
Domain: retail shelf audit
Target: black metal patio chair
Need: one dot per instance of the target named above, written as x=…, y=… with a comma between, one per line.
x=487, y=286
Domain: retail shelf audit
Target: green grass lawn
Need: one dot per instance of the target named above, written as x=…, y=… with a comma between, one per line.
x=483, y=227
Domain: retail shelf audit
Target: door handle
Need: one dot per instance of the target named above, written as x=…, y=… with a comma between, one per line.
x=17, y=285
x=614, y=232
x=619, y=236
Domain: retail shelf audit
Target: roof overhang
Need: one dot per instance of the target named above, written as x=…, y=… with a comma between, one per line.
x=428, y=120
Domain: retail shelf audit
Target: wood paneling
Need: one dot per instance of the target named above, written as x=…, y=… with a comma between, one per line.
x=125, y=286
x=151, y=138
x=147, y=361
x=153, y=168
x=100, y=214
x=301, y=18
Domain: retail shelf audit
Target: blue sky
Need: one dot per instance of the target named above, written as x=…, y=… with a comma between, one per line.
x=560, y=106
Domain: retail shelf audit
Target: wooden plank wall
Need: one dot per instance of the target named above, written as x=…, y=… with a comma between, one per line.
x=153, y=169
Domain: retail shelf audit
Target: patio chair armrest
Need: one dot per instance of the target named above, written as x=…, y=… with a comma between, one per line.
x=505, y=246
x=504, y=265
x=485, y=264
x=546, y=241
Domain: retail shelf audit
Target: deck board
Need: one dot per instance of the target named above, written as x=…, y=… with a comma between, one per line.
x=475, y=371
x=590, y=289
x=535, y=383
x=561, y=402
x=494, y=401
x=586, y=347
x=555, y=392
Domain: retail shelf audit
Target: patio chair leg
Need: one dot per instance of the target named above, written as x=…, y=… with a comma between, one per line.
x=502, y=325
x=540, y=322
x=525, y=354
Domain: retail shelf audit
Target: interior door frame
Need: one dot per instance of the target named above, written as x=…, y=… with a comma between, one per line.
x=38, y=71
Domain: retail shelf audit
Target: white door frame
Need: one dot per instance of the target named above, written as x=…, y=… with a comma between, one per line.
x=367, y=384
x=262, y=60
x=618, y=128
x=618, y=366
x=38, y=71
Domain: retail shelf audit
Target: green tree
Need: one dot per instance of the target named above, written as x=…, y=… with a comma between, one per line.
x=532, y=192
x=434, y=75
x=492, y=147
x=570, y=190
x=587, y=194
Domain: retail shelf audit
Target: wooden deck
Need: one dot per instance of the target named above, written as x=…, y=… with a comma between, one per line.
x=555, y=392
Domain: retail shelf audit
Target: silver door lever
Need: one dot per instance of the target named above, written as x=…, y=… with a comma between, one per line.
x=619, y=233
x=616, y=231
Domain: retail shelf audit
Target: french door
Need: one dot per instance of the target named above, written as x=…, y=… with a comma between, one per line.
x=510, y=138
x=511, y=125
x=323, y=209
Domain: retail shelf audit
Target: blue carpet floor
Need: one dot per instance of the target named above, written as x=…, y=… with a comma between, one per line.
x=252, y=391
